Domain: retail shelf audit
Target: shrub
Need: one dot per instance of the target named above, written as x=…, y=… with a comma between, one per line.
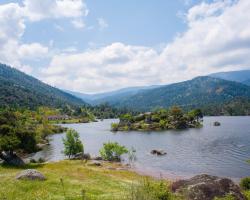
x=162, y=123
x=112, y=151
x=149, y=190
x=245, y=183
x=126, y=118
x=114, y=126
x=72, y=143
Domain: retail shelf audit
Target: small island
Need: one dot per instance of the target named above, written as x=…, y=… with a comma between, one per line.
x=161, y=119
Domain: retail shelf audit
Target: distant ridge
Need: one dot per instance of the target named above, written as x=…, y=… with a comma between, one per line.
x=115, y=95
x=21, y=90
x=242, y=76
x=198, y=92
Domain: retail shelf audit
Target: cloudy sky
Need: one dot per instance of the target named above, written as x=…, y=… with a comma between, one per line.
x=95, y=46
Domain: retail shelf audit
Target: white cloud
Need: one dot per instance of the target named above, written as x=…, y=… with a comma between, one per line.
x=37, y=10
x=12, y=28
x=102, y=23
x=13, y=17
x=114, y=66
x=217, y=39
x=32, y=51
x=78, y=23
x=205, y=10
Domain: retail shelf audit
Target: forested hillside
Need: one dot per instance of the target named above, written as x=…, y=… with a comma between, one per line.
x=20, y=90
x=242, y=76
x=198, y=92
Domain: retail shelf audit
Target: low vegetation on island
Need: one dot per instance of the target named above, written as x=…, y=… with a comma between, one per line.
x=161, y=119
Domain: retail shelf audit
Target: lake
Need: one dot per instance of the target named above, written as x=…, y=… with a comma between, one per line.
x=221, y=150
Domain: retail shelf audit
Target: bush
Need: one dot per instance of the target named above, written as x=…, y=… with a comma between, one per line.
x=114, y=126
x=149, y=190
x=245, y=183
x=72, y=143
x=112, y=151
x=126, y=118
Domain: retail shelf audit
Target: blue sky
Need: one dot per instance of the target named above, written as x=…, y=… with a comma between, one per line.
x=150, y=25
x=95, y=46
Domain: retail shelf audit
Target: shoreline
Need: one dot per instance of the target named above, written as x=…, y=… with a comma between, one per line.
x=141, y=171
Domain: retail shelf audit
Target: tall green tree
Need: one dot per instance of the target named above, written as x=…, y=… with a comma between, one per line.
x=72, y=143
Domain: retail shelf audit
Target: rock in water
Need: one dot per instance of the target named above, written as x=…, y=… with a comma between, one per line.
x=30, y=174
x=158, y=152
x=206, y=187
x=216, y=123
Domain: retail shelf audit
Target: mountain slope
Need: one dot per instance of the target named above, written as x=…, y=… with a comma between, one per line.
x=242, y=76
x=19, y=89
x=112, y=96
x=197, y=92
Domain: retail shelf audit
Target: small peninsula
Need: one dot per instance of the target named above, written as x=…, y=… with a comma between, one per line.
x=161, y=119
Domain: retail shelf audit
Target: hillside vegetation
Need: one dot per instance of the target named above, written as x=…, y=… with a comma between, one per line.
x=198, y=92
x=20, y=90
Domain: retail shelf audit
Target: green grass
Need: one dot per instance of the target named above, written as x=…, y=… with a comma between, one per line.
x=68, y=180
x=98, y=182
x=247, y=194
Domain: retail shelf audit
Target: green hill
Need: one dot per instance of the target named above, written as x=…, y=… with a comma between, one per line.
x=198, y=92
x=21, y=90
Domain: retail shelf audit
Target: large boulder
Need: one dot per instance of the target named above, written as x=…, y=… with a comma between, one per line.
x=206, y=187
x=11, y=159
x=30, y=174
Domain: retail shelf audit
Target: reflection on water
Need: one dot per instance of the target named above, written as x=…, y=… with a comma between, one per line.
x=214, y=150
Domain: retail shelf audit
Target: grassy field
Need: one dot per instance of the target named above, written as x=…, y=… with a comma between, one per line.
x=68, y=180
x=77, y=180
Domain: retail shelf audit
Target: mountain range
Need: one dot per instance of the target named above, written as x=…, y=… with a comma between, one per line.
x=219, y=91
x=100, y=98
x=215, y=88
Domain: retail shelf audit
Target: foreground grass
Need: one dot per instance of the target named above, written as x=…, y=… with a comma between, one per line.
x=68, y=180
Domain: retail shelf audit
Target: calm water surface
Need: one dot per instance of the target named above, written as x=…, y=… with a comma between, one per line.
x=221, y=151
